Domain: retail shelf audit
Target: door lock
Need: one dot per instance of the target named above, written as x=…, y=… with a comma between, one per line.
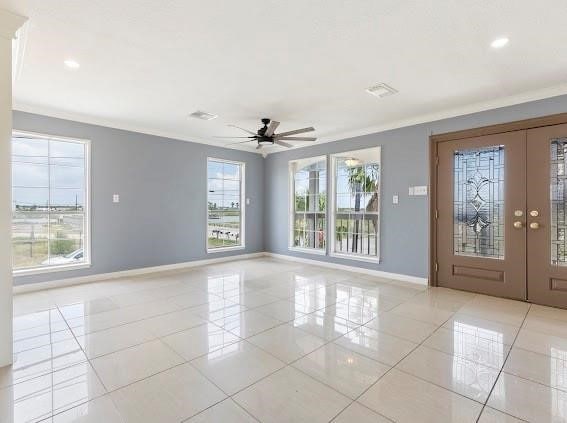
x=518, y=224
x=534, y=225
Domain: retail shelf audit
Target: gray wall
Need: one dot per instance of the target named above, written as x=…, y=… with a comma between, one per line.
x=161, y=217
x=162, y=185
x=404, y=227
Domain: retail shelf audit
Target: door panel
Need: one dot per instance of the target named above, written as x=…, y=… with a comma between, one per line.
x=547, y=215
x=481, y=200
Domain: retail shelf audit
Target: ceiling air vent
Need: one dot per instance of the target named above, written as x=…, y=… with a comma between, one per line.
x=203, y=115
x=381, y=90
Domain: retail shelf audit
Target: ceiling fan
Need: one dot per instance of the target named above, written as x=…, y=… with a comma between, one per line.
x=266, y=135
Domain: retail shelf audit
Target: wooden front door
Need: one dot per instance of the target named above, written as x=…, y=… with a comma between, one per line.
x=547, y=215
x=481, y=197
x=499, y=210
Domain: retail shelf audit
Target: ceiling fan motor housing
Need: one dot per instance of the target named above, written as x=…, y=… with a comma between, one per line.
x=262, y=131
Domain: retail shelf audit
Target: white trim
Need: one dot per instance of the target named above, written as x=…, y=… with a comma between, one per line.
x=333, y=212
x=356, y=257
x=291, y=204
x=316, y=251
x=490, y=104
x=60, y=283
x=242, y=229
x=225, y=249
x=32, y=287
x=19, y=50
x=113, y=124
x=50, y=269
x=10, y=23
x=378, y=273
x=87, y=244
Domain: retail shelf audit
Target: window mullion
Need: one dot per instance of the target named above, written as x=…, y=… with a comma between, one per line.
x=49, y=201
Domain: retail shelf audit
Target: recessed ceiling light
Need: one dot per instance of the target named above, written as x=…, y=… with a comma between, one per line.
x=499, y=42
x=381, y=90
x=72, y=64
x=203, y=115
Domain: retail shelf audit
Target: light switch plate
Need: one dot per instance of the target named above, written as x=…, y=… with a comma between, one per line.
x=395, y=199
x=116, y=198
x=420, y=190
x=247, y=201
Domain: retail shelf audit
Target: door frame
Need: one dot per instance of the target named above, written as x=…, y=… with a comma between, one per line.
x=434, y=141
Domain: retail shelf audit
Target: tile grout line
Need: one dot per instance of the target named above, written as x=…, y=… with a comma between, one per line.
x=290, y=364
x=241, y=339
x=504, y=364
x=399, y=361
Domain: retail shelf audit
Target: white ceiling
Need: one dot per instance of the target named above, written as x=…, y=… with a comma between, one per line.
x=147, y=64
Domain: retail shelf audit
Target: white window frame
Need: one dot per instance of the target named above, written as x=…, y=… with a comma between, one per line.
x=86, y=263
x=242, y=245
x=332, y=212
x=291, y=219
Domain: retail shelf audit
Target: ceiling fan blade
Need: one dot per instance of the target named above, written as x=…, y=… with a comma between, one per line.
x=233, y=137
x=283, y=144
x=259, y=147
x=240, y=142
x=242, y=129
x=297, y=138
x=297, y=131
x=272, y=128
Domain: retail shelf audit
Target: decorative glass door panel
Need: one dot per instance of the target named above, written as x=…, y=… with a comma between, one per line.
x=558, y=181
x=547, y=215
x=500, y=222
x=479, y=202
x=480, y=236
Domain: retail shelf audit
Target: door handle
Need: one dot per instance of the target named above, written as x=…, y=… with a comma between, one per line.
x=534, y=213
x=518, y=224
x=534, y=225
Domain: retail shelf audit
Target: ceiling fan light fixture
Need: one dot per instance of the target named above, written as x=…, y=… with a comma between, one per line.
x=381, y=90
x=199, y=114
x=72, y=64
x=499, y=42
x=352, y=162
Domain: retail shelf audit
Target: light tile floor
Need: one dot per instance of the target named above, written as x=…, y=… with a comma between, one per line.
x=275, y=341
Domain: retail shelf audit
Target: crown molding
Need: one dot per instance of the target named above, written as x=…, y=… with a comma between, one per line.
x=110, y=123
x=495, y=103
x=10, y=23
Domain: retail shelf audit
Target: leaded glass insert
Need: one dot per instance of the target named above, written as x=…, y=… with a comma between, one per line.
x=558, y=180
x=479, y=202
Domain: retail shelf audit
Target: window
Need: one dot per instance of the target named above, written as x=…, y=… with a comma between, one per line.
x=225, y=199
x=308, y=204
x=356, y=204
x=50, y=186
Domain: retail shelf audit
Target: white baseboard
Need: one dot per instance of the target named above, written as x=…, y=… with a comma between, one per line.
x=377, y=273
x=40, y=286
x=32, y=287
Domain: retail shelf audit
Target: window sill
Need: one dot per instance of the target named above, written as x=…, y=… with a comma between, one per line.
x=50, y=269
x=308, y=251
x=225, y=249
x=375, y=260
